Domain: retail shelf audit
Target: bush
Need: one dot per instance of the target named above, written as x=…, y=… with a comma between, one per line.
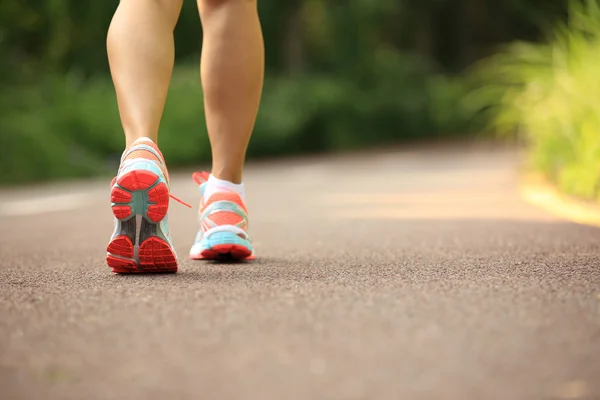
x=69, y=127
x=548, y=94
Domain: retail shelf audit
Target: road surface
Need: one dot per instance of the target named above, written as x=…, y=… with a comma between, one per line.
x=410, y=274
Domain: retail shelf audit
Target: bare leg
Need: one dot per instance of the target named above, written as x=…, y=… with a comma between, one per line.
x=141, y=54
x=232, y=69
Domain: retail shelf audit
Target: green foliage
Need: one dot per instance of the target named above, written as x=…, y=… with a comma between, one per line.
x=75, y=130
x=339, y=76
x=64, y=35
x=548, y=93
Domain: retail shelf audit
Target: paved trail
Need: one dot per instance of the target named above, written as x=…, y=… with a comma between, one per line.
x=417, y=274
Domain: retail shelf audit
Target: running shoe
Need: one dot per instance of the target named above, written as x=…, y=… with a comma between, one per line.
x=223, y=230
x=140, y=200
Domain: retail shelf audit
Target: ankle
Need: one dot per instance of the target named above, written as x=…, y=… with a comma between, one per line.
x=233, y=176
x=132, y=137
x=215, y=184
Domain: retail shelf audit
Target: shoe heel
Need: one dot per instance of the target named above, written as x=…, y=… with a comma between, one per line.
x=140, y=190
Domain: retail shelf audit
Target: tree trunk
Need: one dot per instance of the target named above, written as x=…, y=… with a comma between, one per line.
x=294, y=40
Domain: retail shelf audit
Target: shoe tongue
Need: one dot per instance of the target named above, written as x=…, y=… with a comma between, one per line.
x=200, y=177
x=202, y=189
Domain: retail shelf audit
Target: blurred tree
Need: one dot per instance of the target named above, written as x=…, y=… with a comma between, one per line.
x=340, y=73
x=62, y=35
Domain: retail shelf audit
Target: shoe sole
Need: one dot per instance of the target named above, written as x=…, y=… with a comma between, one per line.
x=225, y=246
x=142, y=192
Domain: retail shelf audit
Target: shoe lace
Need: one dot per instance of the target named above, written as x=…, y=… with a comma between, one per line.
x=180, y=201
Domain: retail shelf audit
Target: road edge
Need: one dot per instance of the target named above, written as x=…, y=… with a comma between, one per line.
x=539, y=193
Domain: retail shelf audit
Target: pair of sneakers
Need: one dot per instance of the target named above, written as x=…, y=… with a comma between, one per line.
x=140, y=195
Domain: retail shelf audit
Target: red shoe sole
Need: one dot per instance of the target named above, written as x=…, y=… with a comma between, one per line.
x=155, y=255
x=140, y=188
x=153, y=188
x=224, y=251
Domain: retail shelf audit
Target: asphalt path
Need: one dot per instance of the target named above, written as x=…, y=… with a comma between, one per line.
x=417, y=273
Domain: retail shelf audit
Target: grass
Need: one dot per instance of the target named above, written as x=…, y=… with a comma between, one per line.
x=548, y=94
